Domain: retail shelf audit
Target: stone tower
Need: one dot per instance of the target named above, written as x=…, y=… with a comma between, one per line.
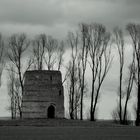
x=43, y=95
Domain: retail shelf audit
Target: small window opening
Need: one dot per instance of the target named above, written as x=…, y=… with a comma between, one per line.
x=60, y=92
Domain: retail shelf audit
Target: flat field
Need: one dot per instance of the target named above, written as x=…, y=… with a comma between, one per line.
x=68, y=133
x=70, y=130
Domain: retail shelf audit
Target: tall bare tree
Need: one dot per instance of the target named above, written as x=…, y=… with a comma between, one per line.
x=72, y=68
x=119, y=41
x=18, y=44
x=134, y=32
x=73, y=92
x=83, y=55
x=130, y=81
x=11, y=92
x=60, y=54
x=39, y=50
x=1, y=55
x=50, y=53
x=100, y=62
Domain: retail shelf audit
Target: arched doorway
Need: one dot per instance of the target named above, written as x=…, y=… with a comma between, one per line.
x=51, y=111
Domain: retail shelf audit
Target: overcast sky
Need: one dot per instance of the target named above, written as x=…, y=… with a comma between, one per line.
x=57, y=17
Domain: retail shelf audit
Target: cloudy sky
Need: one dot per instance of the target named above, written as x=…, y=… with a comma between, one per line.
x=57, y=17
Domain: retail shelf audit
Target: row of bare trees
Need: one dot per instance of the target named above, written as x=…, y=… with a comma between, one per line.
x=89, y=47
x=125, y=90
x=45, y=51
x=94, y=45
x=134, y=31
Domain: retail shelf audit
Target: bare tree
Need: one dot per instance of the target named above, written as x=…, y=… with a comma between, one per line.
x=39, y=50
x=1, y=55
x=14, y=92
x=74, y=97
x=18, y=95
x=83, y=55
x=11, y=92
x=60, y=53
x=129, y=87
x=134, y=31
x=100, y=61
x=49, y=50
x=50, y=53
x=77, y=101
x=18, y=44
x=119, y=41
x=72, y=68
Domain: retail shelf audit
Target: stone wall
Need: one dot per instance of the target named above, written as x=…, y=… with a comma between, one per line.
x=41, y=90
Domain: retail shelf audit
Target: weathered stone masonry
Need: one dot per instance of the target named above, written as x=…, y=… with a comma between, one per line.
x=43, y=95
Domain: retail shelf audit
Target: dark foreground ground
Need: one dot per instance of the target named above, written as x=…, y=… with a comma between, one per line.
x=68, y=133
x=66, y=130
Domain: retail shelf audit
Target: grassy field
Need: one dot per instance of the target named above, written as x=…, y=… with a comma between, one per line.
x=68, y=133
x=66, y=130
x=56, y=122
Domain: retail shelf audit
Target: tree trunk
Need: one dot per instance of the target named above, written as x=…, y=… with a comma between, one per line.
x=125, y=111
x=120, y=98
x=92, y=95
x=138, y=97
x=138, y=106
x=82, y=92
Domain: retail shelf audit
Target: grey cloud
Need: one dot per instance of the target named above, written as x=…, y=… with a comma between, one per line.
x=133, y=2
x=30, y=11
x=71, y=12
x=122, y=1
